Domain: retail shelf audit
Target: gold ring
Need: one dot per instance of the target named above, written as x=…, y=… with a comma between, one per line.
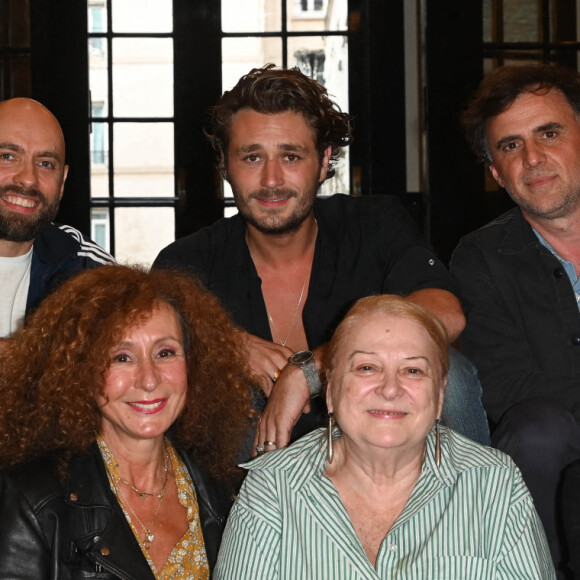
x=269, y=443
x=276, y=375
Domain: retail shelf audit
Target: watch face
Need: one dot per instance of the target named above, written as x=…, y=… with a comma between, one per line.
x=301, y=357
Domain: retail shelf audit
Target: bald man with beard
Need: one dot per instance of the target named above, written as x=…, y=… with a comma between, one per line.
x=35, y=254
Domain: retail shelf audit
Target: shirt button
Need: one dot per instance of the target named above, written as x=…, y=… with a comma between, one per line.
x=393, y=548
x=431, y=262
x=105, y=551
x=575, y=340
x=558, y=273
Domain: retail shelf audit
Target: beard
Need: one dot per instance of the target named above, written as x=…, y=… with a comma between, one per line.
x=562, y=205
x=16, y=227
x=274, y=222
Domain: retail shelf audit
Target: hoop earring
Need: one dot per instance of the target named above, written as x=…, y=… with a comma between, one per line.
x=329, y=442
x=437, y=445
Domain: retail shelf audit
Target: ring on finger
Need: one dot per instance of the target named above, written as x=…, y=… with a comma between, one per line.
x=275, y=375
x=269, y=443
x=259, y=449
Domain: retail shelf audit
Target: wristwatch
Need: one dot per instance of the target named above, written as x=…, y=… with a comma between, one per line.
x=305, y=360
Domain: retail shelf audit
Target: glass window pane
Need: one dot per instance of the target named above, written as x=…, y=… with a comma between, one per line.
x=98, y=80
x=522, y=21
x=325, y=58
x=143, y=67
x=100, y=227
x=306, y=15
x=142, y=232
x=230, y=211
x=518, y=57
x=240, y=55
x=99, y=145
x=97, y=16
x=251, y=15
x=143, y=160
x=99, y=181
x=488, y=21
x=142, y=16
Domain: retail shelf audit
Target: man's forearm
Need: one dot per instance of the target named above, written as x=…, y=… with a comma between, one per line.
x=445, y=306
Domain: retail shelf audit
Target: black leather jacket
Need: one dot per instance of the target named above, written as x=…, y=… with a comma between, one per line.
x=76, y=529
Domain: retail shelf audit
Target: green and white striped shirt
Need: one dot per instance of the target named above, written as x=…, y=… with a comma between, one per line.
x=472, y=518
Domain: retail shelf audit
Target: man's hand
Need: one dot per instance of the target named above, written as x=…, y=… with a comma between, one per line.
x=289, y=398
x=267, y=359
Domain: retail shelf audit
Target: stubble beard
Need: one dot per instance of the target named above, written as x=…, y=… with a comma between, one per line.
x=20, y=228
x=273, y=224
x=569, y=201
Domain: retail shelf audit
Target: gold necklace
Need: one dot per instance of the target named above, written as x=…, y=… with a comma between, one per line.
x=294, y=318
x=149, y=535
x=160, y=492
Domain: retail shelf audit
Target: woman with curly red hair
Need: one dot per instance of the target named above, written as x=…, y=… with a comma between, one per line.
x=123, y=403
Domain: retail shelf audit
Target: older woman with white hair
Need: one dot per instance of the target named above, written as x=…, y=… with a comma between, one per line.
x=384, y=492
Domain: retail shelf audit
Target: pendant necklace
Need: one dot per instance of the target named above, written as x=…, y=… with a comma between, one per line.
x=294, y=318
x=149, y=535
x=159, y=494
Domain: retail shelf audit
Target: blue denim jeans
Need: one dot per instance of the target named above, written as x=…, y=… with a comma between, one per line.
x=462, y=409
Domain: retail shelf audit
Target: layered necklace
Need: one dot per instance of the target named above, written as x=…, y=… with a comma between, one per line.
x=159, y=494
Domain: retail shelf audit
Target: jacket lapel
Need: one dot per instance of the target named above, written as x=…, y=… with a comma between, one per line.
x=102, y=532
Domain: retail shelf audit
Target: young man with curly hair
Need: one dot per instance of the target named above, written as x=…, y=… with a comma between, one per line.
x=289, y=265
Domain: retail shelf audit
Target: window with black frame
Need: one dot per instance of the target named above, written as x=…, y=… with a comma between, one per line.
x=131, y=85
x=528, y=31
x=132, y=126
x=309, y=34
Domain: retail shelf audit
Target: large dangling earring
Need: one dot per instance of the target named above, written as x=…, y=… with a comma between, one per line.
x=437, y=445
x=329, y=442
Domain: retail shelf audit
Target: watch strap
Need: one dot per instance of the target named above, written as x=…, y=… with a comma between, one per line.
x=312, y=377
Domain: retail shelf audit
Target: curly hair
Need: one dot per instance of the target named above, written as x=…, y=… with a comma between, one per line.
x=271, y=90
x=499, y=90
x=54, y=369
x=397, y=307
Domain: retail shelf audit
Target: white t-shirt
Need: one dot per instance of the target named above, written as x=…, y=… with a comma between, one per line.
x=14, y=283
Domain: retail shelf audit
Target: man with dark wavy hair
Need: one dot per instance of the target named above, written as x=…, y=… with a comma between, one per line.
x=35, y=254
x=519, y=274
x=289, y=265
